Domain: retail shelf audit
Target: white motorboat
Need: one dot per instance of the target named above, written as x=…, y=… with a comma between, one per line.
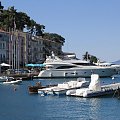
x=65, y=68
x=13, y=82
x=61, y=89
x=95, y=89
x=4, y=78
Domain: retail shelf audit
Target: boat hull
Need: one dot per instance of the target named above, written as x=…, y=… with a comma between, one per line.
x=13, y=82
x=104, y=93
x=74, y=73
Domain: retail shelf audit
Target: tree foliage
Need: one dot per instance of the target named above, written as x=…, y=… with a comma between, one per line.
x=54, y=37
x=91, y=58
x=11, y=20
x=1, y=8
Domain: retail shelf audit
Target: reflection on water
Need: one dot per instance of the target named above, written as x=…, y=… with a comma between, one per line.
x=94, y=105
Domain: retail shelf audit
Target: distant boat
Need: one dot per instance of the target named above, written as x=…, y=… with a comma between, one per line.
x=13, y=82
x=4, y=78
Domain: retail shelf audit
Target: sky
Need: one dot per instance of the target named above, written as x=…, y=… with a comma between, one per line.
x=86, y=25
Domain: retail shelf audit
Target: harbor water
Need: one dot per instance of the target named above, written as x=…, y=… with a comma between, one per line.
x=17, y=104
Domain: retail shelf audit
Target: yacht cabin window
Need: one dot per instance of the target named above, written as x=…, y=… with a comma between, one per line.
x=65, y=67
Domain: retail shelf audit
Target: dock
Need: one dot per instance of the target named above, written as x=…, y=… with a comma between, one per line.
x=24, y=76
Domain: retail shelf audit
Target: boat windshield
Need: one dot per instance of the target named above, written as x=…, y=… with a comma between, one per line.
x=85, y=64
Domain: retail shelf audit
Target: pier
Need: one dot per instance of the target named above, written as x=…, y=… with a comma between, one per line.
x=24, y=76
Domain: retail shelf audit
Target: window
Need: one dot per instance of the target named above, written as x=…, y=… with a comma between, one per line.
x=0, y=45
x=65, y=67
x=3, y=46
x=0, y=35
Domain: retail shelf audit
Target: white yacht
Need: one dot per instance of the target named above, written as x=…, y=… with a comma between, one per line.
x=64, y=68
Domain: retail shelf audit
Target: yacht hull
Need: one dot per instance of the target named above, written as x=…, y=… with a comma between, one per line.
x=70, y=73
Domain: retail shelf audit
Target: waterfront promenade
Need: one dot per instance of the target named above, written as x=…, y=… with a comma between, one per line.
x=24, y=76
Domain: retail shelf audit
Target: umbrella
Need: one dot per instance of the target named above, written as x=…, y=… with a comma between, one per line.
x=4, y=64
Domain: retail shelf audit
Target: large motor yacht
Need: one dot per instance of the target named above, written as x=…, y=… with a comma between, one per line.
x=56, y=67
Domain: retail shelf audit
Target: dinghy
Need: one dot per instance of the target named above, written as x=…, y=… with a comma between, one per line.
x=12, y=81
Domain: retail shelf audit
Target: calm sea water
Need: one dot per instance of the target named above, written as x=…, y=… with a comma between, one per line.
x=20, y=105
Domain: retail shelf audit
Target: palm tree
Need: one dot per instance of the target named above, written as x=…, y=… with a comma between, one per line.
x=91, y=58
x=7, y=19
x=86, y=56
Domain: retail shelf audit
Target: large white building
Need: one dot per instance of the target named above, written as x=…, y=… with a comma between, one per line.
x=20, y=48
x=4, y=47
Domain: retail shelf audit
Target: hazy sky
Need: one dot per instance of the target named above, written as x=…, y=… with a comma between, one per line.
x=86, y=25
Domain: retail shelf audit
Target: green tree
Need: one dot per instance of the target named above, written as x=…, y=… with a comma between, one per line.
x=93, y=59
x=22, y=20
x=35, y=28
x=10, y=20
x=39, y=29
x=55, y=37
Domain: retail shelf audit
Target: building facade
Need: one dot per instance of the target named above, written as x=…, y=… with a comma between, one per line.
x=4, y=47
x=20, y=48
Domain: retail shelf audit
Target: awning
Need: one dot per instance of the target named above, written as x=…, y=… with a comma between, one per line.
x=35, y=65
x=29, y=65
x=39, y=65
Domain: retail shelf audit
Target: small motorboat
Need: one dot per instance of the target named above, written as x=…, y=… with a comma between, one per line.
x=34, y=89
x=4, y=78
x=17, y=81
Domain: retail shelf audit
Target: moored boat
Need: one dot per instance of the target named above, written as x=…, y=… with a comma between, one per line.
x=61, y=89
x=95, y=89
x=34, y=89
x=18, y=81
x=4, y=78
x=73, y=68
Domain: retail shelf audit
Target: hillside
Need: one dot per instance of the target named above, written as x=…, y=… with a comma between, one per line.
x=117, y=62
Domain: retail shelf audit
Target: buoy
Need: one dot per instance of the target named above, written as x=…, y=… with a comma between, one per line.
x=113, y=78
x=15, y=89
